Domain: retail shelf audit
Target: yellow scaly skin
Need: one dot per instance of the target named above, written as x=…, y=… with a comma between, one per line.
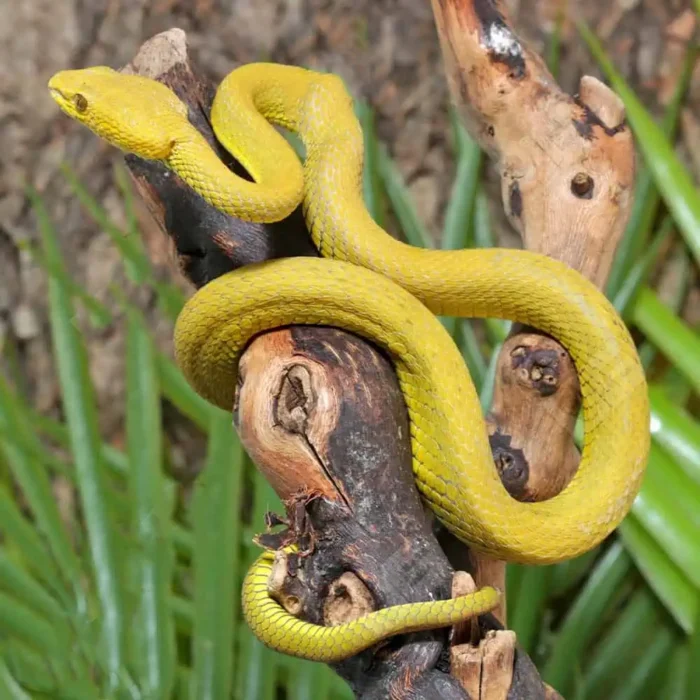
x=279, y=630
x=452, y=460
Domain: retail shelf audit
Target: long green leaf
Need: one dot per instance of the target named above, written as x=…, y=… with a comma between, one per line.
x=646, y=195
x=306, y=681
x=459, y=216
x=80, y=410
x=35, y=452
x=529, y=605
x=569, y=573
x=217, y=534
x=16, y=529
x=259, y=665
x=371, y=182
x=259, y=668
x=648, y=351
x=183, y=541
x=487, y=387
x=672, y=179
x=554, y=43
x=57, y=432
x=677, y=675
x=9, y=687
x=36, y=487
x=154, y=650
x=483, y=233
x=35, y=671
x=659, y=513
x=469, y=347
x=183, y=614
x=100, y=315
x=614, y=654
x=636, y=683
x=693, y=667
x=663, y=576
x=401, y=202
x=20, y=622
x=638, y=275
x=585, y=616
x=131, y=247
x=675, y=430
x=23, y=587
x=458, y=230
x=514, y=577
x=133, y=253
x=175, y=388
x=667, y=478
x=669, y=334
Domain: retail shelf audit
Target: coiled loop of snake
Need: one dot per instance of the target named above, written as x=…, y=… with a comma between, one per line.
x=452, y=459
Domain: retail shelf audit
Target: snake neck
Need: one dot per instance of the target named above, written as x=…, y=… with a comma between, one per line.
x=272, y=197
x=336, y=215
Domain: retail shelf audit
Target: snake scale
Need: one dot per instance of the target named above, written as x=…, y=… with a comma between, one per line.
x=388, y=292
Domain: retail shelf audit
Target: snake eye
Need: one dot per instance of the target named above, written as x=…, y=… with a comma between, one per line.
x=80, y=102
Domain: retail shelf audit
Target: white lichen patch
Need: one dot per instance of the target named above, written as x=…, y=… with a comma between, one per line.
x=502, y=41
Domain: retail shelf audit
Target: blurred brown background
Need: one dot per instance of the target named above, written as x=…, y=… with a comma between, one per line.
x=386, y=50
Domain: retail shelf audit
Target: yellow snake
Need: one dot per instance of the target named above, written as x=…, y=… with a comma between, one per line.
x=452, y=460
x=285, y=633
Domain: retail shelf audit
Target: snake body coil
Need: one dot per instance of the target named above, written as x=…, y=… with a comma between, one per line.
x=452, y=459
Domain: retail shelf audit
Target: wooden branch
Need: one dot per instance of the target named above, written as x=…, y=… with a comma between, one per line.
x=320, y=412
x=567, y=174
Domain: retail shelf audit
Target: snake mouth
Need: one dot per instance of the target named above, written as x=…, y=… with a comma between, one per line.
x=57, y=94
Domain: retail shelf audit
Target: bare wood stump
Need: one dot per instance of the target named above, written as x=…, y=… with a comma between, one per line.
x=567, y=175
x=320, y=412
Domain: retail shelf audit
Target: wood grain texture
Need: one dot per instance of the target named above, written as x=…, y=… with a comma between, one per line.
x=567, y=173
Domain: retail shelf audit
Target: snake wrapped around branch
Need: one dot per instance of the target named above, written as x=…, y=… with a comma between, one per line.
x=386, y=291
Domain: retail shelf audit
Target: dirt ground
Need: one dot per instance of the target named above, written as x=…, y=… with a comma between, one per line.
x=386, y=50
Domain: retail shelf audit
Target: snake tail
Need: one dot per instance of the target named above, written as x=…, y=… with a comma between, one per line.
x=280, y=630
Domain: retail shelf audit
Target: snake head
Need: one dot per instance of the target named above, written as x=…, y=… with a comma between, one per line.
x=136, y=114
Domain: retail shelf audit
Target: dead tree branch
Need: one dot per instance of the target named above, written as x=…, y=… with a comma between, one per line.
x=567, y=173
